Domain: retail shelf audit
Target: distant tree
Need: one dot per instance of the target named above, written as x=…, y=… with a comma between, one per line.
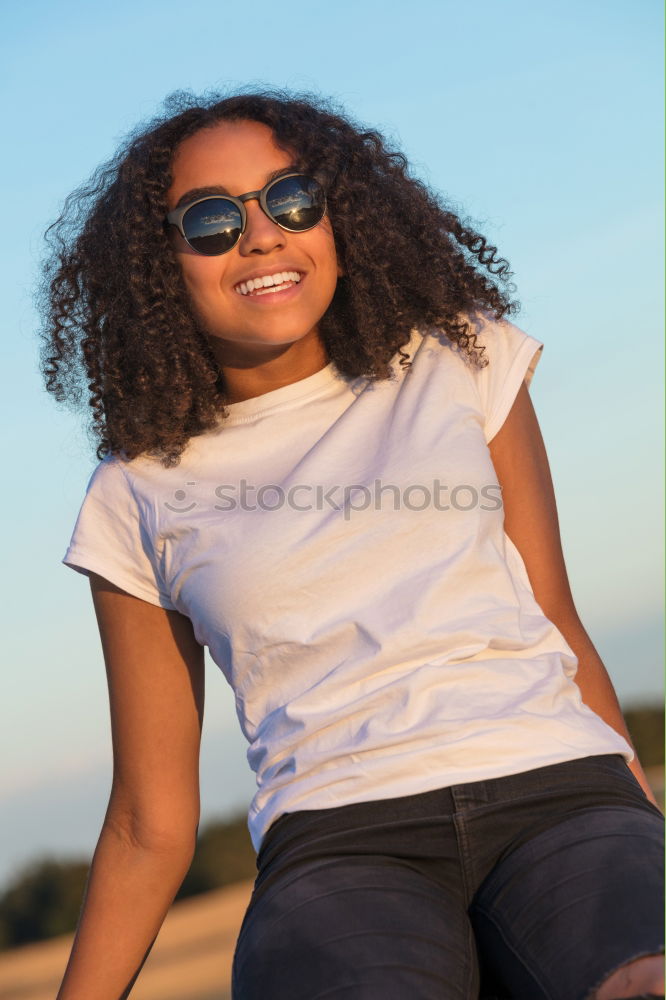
x=224, y=854
x=43, y=901
x=45, y=898
x=646, y=728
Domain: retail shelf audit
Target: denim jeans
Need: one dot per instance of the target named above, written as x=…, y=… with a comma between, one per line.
x=533, y=886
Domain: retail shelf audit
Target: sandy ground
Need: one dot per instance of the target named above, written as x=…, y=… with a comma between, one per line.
x=191, y=959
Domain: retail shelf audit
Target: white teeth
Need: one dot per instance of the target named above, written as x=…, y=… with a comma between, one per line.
x=278, y=281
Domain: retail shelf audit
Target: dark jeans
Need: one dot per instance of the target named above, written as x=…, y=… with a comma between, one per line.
x=534, y=886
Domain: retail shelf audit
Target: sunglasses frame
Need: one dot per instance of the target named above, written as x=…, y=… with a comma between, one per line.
x=176, y=217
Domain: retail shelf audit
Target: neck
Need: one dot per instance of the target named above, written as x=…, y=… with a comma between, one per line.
x=252, y=370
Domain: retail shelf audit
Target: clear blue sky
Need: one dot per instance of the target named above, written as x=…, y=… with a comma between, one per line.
x=543, y=121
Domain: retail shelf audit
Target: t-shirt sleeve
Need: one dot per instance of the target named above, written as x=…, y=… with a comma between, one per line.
x=513, y=356
x=110, y=537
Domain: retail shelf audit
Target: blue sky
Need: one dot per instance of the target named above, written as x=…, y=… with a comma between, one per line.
x=542, y=121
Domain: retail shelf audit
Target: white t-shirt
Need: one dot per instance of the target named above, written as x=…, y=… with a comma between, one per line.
x=339, y=546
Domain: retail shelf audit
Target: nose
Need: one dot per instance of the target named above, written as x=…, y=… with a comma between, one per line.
x=261, y=235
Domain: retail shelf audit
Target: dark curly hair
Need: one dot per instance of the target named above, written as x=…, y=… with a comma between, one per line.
x=116, y=311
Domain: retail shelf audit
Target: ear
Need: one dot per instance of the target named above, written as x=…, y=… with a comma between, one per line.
x=341, y=273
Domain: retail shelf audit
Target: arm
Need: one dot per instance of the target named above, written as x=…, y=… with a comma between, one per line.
x=155, y=674
x=519, y=456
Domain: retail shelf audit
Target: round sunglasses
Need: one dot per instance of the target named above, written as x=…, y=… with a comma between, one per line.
x=213, y=225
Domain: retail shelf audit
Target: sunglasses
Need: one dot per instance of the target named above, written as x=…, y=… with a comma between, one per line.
x=214, y=225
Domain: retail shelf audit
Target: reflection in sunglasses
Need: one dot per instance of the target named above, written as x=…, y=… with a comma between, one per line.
x=289, y=199
x=214, y=225
x=227, y=218
x=293, y=203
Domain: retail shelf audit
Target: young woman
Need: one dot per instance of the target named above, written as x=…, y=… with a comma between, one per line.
x=319, y=458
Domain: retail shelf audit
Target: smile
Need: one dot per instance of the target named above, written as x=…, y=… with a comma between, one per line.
x=269, y=283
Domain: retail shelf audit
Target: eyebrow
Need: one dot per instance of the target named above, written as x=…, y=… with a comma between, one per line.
x=203, y=192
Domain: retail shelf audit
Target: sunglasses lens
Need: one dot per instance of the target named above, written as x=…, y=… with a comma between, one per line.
x=296, y=203
x=213, y=226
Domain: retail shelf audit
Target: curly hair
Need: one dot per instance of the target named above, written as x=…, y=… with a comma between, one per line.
x=117, y=316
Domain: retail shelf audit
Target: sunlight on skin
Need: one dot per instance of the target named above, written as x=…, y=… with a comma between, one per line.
x=644, y=975
x=260, y=344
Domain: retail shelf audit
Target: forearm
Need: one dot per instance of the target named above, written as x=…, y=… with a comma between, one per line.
x=596, y=687
x=129, y=891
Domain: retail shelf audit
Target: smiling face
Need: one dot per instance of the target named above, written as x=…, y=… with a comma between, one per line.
x=246, y=328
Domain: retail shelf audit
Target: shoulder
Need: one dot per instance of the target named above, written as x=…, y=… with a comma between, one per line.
x=115, y=473
x=498, y=340
x=488, y=369
x=511, y=357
